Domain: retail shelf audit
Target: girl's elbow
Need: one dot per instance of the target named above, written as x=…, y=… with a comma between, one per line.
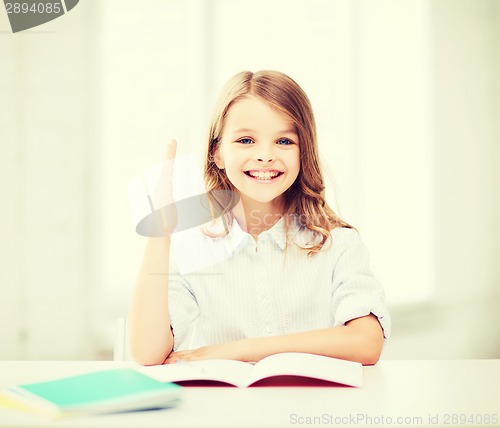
x=370, y=357
x=368, y=340
x=371, y=351
x=147, y=355
x=149, y=359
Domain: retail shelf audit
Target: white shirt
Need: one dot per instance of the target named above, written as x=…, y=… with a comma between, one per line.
x=230, y=288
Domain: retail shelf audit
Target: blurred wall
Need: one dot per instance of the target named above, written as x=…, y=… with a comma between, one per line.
x=49, y=118
x=463, y=320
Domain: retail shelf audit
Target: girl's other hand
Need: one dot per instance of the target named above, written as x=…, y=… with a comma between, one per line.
x=236, y=350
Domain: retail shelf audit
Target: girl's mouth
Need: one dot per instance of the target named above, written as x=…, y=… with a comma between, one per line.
x=264, y=175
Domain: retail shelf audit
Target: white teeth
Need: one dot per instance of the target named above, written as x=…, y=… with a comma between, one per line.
x=263, y=175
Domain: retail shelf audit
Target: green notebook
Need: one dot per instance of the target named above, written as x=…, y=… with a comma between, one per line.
x=107, y=391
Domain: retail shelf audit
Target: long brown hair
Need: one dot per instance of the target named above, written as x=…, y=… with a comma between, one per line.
x=305, y=199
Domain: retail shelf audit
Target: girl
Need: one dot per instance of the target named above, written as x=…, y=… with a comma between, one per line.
x=279, y=271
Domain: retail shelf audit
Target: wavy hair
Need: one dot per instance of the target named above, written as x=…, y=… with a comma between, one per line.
x=305, y=199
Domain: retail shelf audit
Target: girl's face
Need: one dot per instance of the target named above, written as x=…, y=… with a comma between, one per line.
x=259, y=150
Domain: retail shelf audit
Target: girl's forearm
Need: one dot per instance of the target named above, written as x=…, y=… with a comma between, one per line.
x=151, y=340
x=359, y=340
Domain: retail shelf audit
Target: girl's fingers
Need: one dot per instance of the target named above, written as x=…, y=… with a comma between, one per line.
x=172, y=359
x=171, y=149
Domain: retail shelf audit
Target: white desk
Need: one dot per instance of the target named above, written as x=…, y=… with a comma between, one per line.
x=423, y=393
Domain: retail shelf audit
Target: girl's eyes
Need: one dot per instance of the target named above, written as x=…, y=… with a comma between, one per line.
x=285, y=142
x=281, y=141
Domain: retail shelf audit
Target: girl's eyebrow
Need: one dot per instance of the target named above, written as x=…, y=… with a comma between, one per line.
x=239, y=131
x=251, y=131
x=288, y=131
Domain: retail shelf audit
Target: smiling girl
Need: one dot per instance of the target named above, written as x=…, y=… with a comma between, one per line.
x=285, y=273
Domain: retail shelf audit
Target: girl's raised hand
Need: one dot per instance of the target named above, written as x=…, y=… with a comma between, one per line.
x=171, y=149
x=151, y=339
x=163, y=198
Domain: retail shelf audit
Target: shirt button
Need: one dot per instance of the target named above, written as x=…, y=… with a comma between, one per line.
x=269, y=329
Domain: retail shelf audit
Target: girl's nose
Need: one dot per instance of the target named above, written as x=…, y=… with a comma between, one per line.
x=265, y=159
x=265, y=155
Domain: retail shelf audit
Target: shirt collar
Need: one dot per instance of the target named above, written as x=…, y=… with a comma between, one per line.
x=278, y=233
x=237, y=238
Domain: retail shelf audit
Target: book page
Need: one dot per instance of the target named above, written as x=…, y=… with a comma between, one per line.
x=228, y=371
x=308, y=365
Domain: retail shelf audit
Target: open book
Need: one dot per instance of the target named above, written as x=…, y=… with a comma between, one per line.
x=297, y=365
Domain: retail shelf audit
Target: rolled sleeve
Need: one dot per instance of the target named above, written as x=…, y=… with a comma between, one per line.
x=183, y=310
x=355, y=290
